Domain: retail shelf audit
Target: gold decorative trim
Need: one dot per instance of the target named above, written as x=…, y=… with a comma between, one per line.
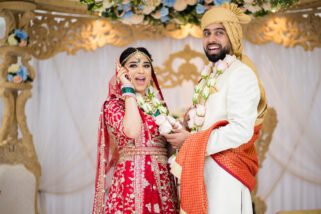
x=15, y=153
x=76, y=33
x=13, y=148
x=10, y=23
x=289, y=30
x=262, y=145
x=51, y=34
x=8, y=118
x=18, y=5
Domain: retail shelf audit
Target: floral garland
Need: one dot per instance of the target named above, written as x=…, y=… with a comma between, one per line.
x=18, y=74
x=203, y=89
x=18, y=38
x=153, y=106
x=178, y=12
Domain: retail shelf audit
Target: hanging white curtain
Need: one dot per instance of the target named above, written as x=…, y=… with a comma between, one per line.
x=69, y=90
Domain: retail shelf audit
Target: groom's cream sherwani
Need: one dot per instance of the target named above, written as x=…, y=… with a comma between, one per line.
x=236, y=101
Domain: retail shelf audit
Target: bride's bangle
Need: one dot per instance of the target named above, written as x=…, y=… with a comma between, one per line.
x=128, y=91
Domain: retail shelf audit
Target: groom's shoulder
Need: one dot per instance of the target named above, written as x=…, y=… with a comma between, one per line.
x=240, y=71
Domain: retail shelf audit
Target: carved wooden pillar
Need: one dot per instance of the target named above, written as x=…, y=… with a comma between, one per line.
x=16, y=143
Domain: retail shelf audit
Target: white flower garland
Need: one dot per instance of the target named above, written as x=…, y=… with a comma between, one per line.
x=153, y=106
x=203, y=89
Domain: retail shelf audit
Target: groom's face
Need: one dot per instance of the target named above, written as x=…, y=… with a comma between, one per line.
x=216, y=43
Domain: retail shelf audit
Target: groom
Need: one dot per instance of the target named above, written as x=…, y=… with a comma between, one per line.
x=217, y=164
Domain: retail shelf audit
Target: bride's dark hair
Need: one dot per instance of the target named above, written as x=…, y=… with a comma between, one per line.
x=128, y=51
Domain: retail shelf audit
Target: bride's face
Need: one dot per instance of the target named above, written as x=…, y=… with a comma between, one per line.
x=140, y=72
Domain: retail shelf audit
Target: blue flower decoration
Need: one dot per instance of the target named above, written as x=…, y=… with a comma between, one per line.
x=127, y=7
x=169, y=3
x=219, y=2
x=120, y=7
x=21, y=34
x=23, y=72
x=10, y=77
x=200, y=9
x=164, y=19
x=164, y=11
x=141, y=7
x=128, y=14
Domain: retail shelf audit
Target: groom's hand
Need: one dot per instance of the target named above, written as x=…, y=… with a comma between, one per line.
x=177, y=137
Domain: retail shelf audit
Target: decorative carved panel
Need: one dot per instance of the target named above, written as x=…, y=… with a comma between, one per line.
x=262, y=145
x=10, y=23
x=287, y=30
x=51, y=34
x=187, y=70
x=16, y=143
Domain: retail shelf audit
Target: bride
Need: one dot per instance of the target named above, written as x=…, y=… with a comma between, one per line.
x=130, y=145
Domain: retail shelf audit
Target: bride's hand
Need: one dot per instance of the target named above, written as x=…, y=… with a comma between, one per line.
x=122, y=74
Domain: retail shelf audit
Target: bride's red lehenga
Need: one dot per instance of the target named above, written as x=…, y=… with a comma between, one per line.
x=141, y=181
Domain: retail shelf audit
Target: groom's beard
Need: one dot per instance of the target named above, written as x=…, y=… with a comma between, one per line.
x=220, y=55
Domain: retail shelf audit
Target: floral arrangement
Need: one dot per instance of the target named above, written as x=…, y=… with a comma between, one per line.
x=175, y=11
x=18, y=38
x=18, y=74
x=153, y=106
x=204, y=88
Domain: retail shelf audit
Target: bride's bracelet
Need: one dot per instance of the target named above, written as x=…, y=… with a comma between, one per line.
x=127, y=90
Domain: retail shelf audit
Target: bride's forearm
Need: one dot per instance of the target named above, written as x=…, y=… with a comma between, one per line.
x=132, y=120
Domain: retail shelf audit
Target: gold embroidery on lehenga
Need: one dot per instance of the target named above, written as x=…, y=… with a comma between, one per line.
x=99, y=200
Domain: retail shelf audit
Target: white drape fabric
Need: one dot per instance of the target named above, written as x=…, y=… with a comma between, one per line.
x=69, y=90
x=291, y=175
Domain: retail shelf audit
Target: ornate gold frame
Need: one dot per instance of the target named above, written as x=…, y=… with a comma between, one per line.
x=88, y=33
x=13, y=148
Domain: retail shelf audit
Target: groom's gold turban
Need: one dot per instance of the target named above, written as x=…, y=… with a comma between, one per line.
x=231, y=17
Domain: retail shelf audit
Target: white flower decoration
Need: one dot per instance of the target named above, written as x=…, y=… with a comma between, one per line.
x=13, y=68
x=221, y=65
x=199, y=120
x=171, y=119
x=200, y=110
x=156, y=101
x=267, y=6
x=140, y=99
x=191, y=2
x=180, y=5
x=162, y=110
x=206, y=71
x=156, y=14
x=148, y=9
x=206, y=92
x=12, y=41
x=134, y=19
x=211, y=82
x=195, y=97
x=147, y=107
x=160, y=119
x=165, y=128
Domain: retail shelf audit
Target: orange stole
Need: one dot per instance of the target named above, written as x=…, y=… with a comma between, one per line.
x=240, y=162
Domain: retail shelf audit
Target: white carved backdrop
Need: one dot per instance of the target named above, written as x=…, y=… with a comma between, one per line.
x=69, y=90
